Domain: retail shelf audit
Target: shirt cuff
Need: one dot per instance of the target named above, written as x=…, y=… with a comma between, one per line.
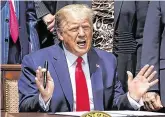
x=45, y=106
x=136, y=105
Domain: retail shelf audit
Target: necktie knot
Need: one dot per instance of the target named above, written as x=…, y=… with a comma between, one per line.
x=79, y=60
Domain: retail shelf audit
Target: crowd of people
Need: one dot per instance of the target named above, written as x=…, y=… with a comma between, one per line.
x=111, y=52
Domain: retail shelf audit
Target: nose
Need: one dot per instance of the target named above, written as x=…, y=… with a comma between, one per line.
x=81, y=31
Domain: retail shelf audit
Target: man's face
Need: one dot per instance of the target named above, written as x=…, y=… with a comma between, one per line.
x=76, y=34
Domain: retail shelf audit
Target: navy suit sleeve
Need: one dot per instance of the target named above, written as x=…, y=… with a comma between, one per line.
x=116, y=99
x=151, y=40
x=28, y=91
x=120, y=101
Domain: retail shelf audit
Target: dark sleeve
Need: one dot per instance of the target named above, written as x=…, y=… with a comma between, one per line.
x=151, y=39
x=41, y=9
x=141, y=12
x=28, y=92
x=32, y=22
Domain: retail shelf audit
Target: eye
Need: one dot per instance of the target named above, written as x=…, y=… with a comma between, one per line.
x=86, y=27
x=74, y=29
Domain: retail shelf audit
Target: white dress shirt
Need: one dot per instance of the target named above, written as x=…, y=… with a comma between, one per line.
x=71, y=61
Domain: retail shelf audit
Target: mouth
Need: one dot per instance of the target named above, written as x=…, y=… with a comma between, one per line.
x=81, y=43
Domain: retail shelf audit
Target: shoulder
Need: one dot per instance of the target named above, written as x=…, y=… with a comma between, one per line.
x=43, y=53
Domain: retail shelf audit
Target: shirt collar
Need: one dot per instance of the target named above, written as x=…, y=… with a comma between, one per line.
x=71, y=58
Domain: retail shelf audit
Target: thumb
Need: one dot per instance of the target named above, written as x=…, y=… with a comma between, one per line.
x=130, y=76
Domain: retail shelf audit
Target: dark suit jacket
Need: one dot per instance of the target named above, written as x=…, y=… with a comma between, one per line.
x=107, y=90
x=153, y=51
x=23, y=35
x=129, y=23
x=45, y=7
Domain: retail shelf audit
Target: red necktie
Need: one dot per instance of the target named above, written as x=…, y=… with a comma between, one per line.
x=82, y=97
x=13, y=23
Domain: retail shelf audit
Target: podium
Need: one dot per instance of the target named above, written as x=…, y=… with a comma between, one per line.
x=10, y=74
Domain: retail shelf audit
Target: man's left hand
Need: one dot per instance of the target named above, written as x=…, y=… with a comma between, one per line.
x=138, y=86
x=152, y=101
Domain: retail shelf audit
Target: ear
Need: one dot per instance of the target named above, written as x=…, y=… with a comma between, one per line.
x=59, y=33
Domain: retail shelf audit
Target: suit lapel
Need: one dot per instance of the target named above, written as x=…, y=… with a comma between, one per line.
x=61, y=69
x=3, y=3
x=96, y=79
x=117, y=6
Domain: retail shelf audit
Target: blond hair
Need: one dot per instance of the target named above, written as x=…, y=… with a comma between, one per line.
x=80, y=9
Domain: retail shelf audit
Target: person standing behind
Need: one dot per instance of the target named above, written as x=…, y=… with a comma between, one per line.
x=14, y=41
x=15, y=38
x=128, y=34
x=153, y=53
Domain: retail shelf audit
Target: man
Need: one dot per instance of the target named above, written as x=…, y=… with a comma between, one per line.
x=72, y=85
x=13, y=51
x=153, y=54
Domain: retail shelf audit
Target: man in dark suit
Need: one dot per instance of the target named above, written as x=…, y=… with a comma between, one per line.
x=96, y=74
x=153, y=53
x=45, y=11
x=13, y=53
x=128, y=34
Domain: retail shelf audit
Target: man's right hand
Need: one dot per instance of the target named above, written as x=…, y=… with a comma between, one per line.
x=49, y=20
x=46, y=93
x=152, y=101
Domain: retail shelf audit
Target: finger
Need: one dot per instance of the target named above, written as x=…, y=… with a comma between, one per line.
x=151, y=76
x=146, y=106
x=153, y=102
x=149, y=71
x=51, y=30
x=49, y=76
x=39, y=85
x=40, y=72
x=143, y=70
x=130, y=76
x=38, y=75
x=156, y=106
x=43, y=70
x=50, y=26
x=153, y=83
x=158, y=101
x=151, y=105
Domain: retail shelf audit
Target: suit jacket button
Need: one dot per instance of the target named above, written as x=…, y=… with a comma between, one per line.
x=7, y=20
x=6, y=39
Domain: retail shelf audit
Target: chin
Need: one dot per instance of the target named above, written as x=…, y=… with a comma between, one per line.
x=81, y=52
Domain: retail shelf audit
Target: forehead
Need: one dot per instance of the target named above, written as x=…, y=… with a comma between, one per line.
x=76, y=18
